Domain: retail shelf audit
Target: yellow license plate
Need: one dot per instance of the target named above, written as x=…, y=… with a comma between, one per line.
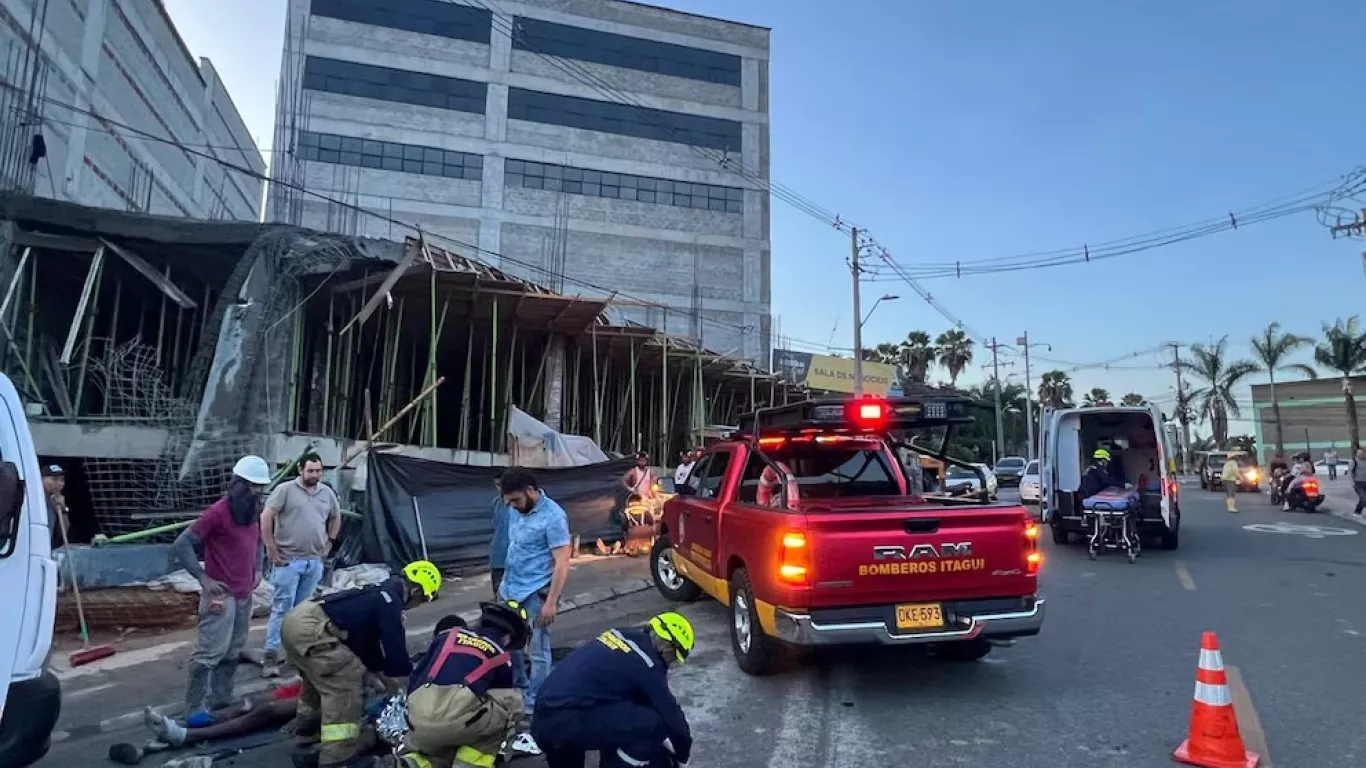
x=919, y=616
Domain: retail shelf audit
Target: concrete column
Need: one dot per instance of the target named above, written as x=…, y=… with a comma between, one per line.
x=205, y=114
x=554, y=383
x=92, y=42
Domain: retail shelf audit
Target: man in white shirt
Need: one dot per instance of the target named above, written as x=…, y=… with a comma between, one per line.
x=681, y=474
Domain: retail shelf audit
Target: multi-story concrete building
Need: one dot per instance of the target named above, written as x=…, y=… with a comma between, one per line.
x=592, y=146
x=117, y=98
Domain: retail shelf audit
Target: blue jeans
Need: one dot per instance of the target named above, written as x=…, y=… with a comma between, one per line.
x=539, y=650
x=293, y=583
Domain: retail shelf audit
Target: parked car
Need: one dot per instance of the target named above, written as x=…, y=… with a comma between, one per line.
x=993, y=482
x=1009, y=470
x=1029, y=484
x=965, y=481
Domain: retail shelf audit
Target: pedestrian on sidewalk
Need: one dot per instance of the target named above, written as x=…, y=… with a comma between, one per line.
x=686, y=461
x=54, y=483
x=1230, y=475
x=229, y=534
x=301, y=520
x=1330, y=457
x=537, y=569
x=640, y=479
x=1358, y=474
x=498, y=547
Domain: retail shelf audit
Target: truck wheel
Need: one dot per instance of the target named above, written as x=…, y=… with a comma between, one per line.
x=965, y=650
x=1060, y=536
x=1172, y=539
x=670, y=583
x=755, y=652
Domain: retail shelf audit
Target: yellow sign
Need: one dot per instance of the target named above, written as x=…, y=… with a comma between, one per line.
x=912, y=567
x=836, y=374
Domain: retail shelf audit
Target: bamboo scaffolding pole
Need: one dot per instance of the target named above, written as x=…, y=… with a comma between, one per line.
x=175, y=376
x=512, y=359
x=664, y=388
x=597, y=389
x=92, y=312
x=464, y=442
x=479, y=401
x=113, y=338
x=161, y=318
x=492, y=416
x=296, y=361
x=633, y=401
x=391, y=378
x=32, y=313
x=536, y=397
x=327, y=364
x=386, y=426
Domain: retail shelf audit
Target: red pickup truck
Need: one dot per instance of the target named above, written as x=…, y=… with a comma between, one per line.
x=806, y=526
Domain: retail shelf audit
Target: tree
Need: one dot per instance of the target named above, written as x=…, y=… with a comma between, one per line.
x=1343, y=350
x=1215, y=401
x=1245, y=443
x=1055, y=390
x=917, y=356
x=1271, y=349
x=1095, y=397
x=953, y=349
x=1133, y=399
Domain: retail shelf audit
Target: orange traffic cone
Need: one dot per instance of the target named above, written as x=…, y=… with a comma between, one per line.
x=1214, y=740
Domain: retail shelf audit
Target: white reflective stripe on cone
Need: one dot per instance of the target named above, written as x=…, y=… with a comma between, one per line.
x=1213, y=695
x=1212, y=661
x=625, y=758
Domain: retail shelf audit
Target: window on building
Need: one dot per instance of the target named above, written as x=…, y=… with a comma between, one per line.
x=550, y=39
x=623, y=119
x=399, y=85
x=389, y=156
x=428, y=17
x=643, y=189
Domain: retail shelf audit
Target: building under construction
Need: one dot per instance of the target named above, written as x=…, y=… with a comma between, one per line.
x=153, y=351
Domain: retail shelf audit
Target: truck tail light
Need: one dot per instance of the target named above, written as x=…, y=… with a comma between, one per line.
x=795, y=558
x=1033, y=557
x=1032, y=562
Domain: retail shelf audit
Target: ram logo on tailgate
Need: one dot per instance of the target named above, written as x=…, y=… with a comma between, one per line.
x=923, y=551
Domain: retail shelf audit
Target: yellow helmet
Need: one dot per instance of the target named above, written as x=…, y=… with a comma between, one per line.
x=424, y=574
x=1101, y=454
x=677, y=630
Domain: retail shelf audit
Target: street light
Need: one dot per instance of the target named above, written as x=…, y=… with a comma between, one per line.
x=884, y=297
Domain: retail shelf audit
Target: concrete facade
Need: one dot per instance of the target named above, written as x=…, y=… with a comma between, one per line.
x=124, y=61
x=1313, y=413
x=622, y=145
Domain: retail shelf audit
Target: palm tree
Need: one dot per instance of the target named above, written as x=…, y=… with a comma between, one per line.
x=1344, y=350
x=1215, y=401
x=917, y=356
x=1095, y=397
x=1055, y=390
x=954, y=351
x=1133, y=399
x=1271, y=349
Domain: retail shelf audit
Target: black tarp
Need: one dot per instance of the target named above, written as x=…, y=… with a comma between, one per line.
x=456, y=503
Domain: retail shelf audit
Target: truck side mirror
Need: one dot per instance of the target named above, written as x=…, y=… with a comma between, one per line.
x=11, y=498
x=685, y=489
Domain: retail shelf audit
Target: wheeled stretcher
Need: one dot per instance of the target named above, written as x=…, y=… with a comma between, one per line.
x=1112, y=518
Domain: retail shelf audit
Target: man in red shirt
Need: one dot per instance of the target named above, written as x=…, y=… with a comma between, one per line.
x=229, y=534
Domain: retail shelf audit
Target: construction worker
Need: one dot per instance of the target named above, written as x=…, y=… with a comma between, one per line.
x=462, y=704
x=612, y=697
x=333, y=641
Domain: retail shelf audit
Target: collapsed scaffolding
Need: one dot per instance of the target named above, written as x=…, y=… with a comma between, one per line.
x=221, y=338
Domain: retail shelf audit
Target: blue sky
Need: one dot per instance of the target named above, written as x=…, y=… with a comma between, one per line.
x=958, y=131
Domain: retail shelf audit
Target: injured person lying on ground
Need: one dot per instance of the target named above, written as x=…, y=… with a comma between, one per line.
x=263, y=711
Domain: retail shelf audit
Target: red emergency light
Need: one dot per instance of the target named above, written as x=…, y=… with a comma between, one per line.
x=868, y=413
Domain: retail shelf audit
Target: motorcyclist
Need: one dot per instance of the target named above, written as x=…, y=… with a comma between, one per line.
x=1303, y=467
x=1097, y=476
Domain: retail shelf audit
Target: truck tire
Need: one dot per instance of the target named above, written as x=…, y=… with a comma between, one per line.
x=1060, y=535
x=755, y=652
x=670, y=583
x=1171, y=539
x=964, y=650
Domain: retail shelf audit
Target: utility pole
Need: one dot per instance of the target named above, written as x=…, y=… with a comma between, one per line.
x=1181, y=409
x=996, y=386
x=858, y=313
x=1023, y=341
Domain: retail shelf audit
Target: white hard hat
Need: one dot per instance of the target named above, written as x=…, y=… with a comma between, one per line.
x=253, y=469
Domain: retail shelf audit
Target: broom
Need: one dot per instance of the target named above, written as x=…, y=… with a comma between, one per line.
x=88, y=653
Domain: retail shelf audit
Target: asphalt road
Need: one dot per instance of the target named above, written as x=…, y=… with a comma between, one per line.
x=1108, y=683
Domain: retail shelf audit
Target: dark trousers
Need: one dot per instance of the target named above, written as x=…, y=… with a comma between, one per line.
x=1361, y=496
x=496, y=574
x=1333, y=471
x=622, y=734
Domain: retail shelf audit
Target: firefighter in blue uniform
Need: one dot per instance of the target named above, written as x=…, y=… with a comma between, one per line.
x=612, y=697
x=333, y=641
x=462, y=704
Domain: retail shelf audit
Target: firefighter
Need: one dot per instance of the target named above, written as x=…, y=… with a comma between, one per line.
x=462, y=704
x=612, y=696
x=333, y=641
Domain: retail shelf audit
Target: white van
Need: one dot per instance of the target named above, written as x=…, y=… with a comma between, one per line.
x=31, y=698
x=1138, y=442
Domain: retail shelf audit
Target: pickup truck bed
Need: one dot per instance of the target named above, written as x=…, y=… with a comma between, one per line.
x=841, y=555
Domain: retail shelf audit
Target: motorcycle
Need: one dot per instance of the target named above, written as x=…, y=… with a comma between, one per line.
x=1275, y=487
x=1303, y=493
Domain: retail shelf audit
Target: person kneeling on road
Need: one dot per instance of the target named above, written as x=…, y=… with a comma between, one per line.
x=462, y=704
x=612, y=696
x=333, y=641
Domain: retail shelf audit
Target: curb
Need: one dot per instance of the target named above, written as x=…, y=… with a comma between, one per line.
x=129, y=719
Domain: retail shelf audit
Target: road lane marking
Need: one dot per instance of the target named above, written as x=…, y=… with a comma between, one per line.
x=1254, y=738
x=1184, y=575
